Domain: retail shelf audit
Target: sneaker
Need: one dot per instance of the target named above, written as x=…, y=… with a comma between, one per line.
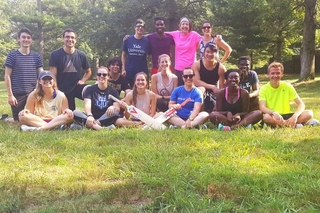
x=204, y=126
x=313, y=122
x=223, y=128
x=299, y=126
x=25, y=128
x=249, y=126
x=4, y=117
x=62, y=127
x=173, y=127
x=111, y=127
x=76, y=127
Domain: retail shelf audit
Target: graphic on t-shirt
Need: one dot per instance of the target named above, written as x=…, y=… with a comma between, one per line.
x=101, y=101
x=136, y=50
x=54, y=108
x=70, y=67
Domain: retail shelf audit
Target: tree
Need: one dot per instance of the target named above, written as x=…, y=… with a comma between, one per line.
x=307, y=56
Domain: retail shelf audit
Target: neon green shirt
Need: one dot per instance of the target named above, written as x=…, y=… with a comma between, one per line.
x=278, y=99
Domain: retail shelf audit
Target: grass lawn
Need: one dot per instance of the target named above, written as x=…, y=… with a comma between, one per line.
x=130, y=170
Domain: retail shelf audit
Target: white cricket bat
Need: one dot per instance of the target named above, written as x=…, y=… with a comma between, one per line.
x=145, y=118
x=170, y=112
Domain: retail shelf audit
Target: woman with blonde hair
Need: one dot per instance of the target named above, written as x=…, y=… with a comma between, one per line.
x=163, y=82
x=46, y=107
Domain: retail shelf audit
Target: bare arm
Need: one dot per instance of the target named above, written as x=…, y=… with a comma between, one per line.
x=227, y=49
x=123, y=60
x=154, y=89
x=87, y=106
x=7, y=77
x=86, y=76
x=54, y=72
x=31, y=102
x=255, y=91
x=153, y=104
x=222, y=70
x=196, y=110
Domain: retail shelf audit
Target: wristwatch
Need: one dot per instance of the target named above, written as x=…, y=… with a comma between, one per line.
x=191, y=119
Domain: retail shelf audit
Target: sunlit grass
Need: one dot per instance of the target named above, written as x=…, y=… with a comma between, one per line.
x=130, y=170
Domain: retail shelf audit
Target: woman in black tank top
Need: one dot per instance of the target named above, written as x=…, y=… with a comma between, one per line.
x=233, y=106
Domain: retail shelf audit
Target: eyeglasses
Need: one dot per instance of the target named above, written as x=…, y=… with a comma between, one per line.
x=102, y=74
x=46, y=78
x=69, y=37
x=140, y=26
x=188, y=76
x=206, y=27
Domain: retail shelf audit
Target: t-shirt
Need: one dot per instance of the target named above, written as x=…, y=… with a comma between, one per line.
x=70, y=68
x=50, y=109
x=278, y=99
x=159, y=46
x=137, y=51
x=100, y=99
x=180, y=94
x=24, y=71
x=185, y=48
x=121, y=84
x=252, y=79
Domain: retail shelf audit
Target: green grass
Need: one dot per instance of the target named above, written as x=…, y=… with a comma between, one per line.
x=129, y=170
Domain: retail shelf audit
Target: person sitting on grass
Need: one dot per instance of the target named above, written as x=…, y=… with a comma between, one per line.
x=274, y=101
x=46, y=107
x=100, y=111
x=163, y=82
x=142, y=98
x=233, y=106
x=189, y=115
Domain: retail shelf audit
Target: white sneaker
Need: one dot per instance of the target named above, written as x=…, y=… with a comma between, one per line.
x=299, y=126
x=111, y=127
x=25, y=128
x=313, y=122
x=75, y=127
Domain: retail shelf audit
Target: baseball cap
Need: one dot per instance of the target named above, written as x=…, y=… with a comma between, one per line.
x=45, y=74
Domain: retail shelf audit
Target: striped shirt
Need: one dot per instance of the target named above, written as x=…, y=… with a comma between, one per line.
x=24, y=71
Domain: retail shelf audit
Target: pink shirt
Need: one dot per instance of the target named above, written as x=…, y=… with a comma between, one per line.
x=185, y=48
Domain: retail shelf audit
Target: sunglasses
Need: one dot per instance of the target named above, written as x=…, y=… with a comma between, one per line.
x=188, y=76
x=140, y=26
x=206, y=27
x=102, y=74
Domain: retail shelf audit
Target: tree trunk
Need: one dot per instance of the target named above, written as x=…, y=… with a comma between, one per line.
x=40, y=31
x=307, y=55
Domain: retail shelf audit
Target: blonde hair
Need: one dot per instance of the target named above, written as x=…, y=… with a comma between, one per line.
x=164, y=56
x=39, y=93
x=276, y=65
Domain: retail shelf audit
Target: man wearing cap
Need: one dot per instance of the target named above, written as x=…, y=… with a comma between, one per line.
x=71, y=68
x=21, y=70
x=46, y=107
x=209, y=74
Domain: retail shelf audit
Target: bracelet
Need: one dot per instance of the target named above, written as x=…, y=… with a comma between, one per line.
x=90, y=115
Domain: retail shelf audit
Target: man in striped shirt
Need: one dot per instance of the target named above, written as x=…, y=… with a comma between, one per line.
x=21, y=71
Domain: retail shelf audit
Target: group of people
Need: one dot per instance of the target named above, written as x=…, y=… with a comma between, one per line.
x=43, y=100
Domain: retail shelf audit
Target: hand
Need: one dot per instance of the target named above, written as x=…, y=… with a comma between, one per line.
x=219, y=37
x=236, y=118
x=90, y=121
x=80, y=82
x=176, y=106
x=12, y=100
x=215, y=89
x=125, y=37
x=68, y=112
x=229, y=117
x=124, y=73
x=110, y=111
x=188, y=123
x=278, y=118
x=292, y=121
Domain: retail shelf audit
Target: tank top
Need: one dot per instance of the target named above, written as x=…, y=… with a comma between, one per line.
x=234, y=108
x=202, y=47
x=164, y=90
x=50, y=109
x=209, y=76
x=143, y=102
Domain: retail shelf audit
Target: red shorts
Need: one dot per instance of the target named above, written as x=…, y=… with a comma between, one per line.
x=47, y=120
x=155, y=70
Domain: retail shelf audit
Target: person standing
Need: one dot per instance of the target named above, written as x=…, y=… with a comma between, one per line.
x=208, y=37
x=274, y=101
x=100, y=111
x=208, y=74
x=160, y=43
x=134, y=53
x=22, y=67
x=186, y=44
x=68, y=64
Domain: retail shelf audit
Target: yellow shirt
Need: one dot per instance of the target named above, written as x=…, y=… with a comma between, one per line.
x=50, y=109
